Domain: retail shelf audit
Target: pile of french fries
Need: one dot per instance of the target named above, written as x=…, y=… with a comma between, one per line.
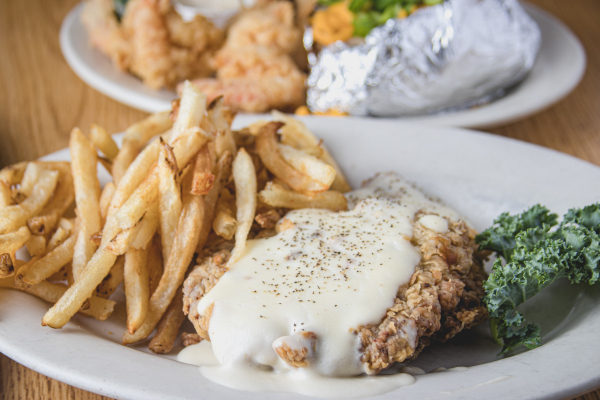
x=184, y=184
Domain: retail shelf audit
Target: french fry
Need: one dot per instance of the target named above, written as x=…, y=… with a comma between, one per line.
x=11, y=242
x=169, y=197
x=13, y=174
x=244, y=177
x=51, y=292
x=61, y=200
x=124, y=239
x=155, y=264
x=136, y=288
x=21, y=268
x=267, y=148
x=135, y=138
x=105, y=199
x=36, y=245
x=72, y=300
x=224, y=225
x=222, y=172
x=104, y=142
x=60, y=275
x=191, y=111
x=7, y=267
x=60, y=235
x=30, y=177
x=87, y=195
x=182, y=252
x=224, y=140
x=203, y=177
x=184, y=148
x=134, y=175
x=115, y=277
x=52, y=262
x=296, y=135
x=5, y=195
x=150, y=224
x=277, y=196
x=168, y=327
x=308, y=165
x=15, y=216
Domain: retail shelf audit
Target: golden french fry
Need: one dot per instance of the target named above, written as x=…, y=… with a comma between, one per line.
x=105, y=198
x=224, y=140
x=104, y=142
x=134, y=175
x=30, y=177
x=51, y=263
x=7, y=267
x=136, y=288
x=295, y=134
x=244, y=177
x=13, y=241
x=168, y=327
x=72, y=300
x=169, y=197
x=61, y=200
x=60, y=235
x=36, y=245
x=87, y=195
x=267, y=148
x=277, y=196
x=191, y=111
x=224, y=225
x=149, y=226
x=115, y=277
x=136, y=137
x=5, y=195
x=184, y=147
x=21, y=269
x=222, y=172
x=124, y=239
x=15, y=216
x=51, y=292
x=308, y=165
x=13, y=174
x=60, y=275
x=181, y=255
x=203, y=177
x=155, y=264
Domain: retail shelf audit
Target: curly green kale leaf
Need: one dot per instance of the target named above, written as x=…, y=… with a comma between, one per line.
x=536, y=255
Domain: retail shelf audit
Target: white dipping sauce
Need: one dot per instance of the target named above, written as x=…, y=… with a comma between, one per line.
x=328, y=274
x=435, y=223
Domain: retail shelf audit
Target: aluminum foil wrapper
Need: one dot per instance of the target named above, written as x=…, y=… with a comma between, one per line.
x=451, y=56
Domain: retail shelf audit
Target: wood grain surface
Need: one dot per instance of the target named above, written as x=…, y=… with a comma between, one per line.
x=41, y=100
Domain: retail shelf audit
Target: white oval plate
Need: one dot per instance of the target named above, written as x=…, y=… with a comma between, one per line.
x=478, y=174
x=559, y=68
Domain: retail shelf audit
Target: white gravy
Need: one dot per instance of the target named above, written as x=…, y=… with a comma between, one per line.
x=327, y=274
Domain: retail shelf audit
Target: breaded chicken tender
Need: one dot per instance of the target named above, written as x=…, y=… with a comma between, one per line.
x=152, y=41
x=442, y=298
x=255, y=72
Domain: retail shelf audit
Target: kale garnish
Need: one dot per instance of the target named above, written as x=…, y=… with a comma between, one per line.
x=536, y=251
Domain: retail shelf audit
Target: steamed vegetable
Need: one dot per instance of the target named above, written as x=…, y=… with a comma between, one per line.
x=537, y=251
x=369, y=14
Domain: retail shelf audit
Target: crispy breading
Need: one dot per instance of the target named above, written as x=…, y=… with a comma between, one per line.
x=442, y=298
x=199, y=282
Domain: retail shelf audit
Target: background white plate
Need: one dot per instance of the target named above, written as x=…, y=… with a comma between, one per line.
x=559, y=68
x=480, y=175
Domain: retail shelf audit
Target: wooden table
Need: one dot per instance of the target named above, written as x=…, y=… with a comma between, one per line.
x=41, y=99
